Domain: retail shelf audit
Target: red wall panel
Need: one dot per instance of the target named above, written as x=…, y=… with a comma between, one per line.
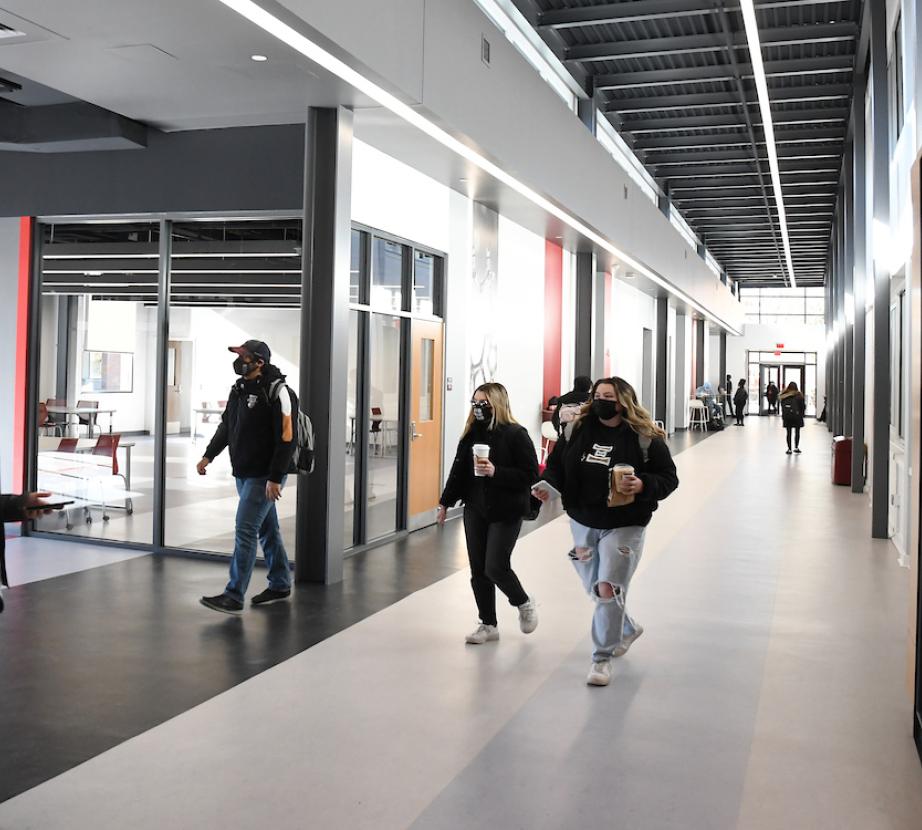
x=553, y=318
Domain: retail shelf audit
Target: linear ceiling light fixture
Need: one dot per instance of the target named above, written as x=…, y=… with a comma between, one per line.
x=768, y=126
x=276, y=27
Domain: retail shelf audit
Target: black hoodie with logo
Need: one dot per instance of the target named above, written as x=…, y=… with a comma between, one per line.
x=581, y=466
x=257, y=431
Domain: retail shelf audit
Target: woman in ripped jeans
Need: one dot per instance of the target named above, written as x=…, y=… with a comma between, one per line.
x=608, y=541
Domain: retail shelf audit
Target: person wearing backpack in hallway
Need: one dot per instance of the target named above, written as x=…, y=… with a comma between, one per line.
x=258, y=429
x=793, y=407
x=568, y=405
x=494, y=468
x=740, y=399
x=612, y=467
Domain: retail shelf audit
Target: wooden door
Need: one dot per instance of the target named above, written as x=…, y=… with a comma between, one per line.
x=426, y=385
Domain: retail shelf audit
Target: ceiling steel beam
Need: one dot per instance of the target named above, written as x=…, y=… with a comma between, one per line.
x=731, y=120
x=826, y=64
x=665, y=158
x=785, y=134
x=692, y=44
x=681, y=180
x=640, y=10
x=654, y=103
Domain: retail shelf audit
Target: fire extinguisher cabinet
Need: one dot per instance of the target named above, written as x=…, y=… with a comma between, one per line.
x=842, y=460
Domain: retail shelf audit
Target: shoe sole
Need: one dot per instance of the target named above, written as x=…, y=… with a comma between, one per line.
x=480, y=642
x=627, y=644
x=236, y=612
x=596, y=680
x=256, y=604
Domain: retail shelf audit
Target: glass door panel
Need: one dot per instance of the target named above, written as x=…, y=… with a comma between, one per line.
x=232, y=281
x=385, y=416
x=96, y=420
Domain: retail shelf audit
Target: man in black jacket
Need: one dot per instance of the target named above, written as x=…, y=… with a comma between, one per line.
x=576, y=397
x=16, y=508
x=257, y=427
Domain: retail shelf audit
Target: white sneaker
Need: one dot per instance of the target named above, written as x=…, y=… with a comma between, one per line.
x=528, y=616
x=483, y=634
x=627, y=641
x=600, y=674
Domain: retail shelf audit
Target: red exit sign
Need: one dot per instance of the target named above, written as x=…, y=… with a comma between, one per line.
x=779, y=345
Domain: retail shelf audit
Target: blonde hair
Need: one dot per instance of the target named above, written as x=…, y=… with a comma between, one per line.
x=498, y=397
x=636, y=417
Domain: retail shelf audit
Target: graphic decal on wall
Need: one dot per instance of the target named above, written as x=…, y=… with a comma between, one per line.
x=482, y=315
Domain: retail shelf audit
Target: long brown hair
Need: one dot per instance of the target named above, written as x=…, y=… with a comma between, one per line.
x=498, y=397
x=790, y=390
x=636, y=417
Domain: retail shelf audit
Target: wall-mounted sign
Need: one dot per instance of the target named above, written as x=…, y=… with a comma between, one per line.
x=779, y=345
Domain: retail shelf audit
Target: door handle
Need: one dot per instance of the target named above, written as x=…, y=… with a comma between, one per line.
x=413, y=433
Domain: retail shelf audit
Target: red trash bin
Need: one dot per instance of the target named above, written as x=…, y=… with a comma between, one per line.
x=842, y=460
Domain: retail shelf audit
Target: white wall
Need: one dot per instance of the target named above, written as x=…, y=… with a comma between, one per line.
x=631, y=311
x=9, y=279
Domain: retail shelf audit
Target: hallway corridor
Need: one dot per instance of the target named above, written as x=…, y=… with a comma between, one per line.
x=769, y=690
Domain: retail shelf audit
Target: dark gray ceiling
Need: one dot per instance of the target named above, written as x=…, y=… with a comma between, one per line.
x=673, y=76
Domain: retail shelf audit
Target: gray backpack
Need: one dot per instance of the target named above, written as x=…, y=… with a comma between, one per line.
x=302, y=460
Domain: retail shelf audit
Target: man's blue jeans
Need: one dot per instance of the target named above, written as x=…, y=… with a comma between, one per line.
x=257, y=519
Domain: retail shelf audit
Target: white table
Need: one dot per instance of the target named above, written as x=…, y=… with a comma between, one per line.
x=85, y=446
x=91, y=413
x=202, y=412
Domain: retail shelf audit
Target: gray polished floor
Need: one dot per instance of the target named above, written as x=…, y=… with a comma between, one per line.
x=767, y=692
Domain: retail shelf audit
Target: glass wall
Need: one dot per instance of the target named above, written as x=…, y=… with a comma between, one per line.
x=96, y=401
x=231, y=281
x=394, y=282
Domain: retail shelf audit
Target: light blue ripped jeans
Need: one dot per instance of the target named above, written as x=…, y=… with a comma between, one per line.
x=612, y=557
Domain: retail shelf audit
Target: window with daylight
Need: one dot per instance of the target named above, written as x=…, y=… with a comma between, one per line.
x=777, y=306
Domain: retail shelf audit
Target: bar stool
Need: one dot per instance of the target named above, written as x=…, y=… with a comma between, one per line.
x=697, y=415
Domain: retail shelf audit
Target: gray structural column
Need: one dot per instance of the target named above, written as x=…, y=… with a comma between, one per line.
x=585, y=276
x=859, y=279
x=599, y=312
x=325, y=340
x=680, y=370
x=163, y=357
x=662, y=358
x=848, y=278
x=880, y=155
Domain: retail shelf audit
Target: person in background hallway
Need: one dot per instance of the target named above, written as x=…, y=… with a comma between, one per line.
x=793, y=407
x=258, y=430
x=496, y=495
x=569, y=404
x=608, y=541
x=739, y=402
x=771, y=395
x=17, y=508
x=728, y=398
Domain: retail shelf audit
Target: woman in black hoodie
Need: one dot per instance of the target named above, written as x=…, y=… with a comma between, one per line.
x=608, y=541
x=495, y=492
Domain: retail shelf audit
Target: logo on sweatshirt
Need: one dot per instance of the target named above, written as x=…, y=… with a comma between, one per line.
x=599, y=454
x=251, y=401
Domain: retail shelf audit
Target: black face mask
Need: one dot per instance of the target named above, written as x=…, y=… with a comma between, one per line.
x=482, y=411
x=605, y=410
x=242, y=368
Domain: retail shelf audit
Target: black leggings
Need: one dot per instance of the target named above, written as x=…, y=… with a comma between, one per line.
x=796, y=436
x=739, y=413
x=489, y=549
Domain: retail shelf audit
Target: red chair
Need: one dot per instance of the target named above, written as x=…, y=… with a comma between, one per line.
x=107, y=445
x=67, y=445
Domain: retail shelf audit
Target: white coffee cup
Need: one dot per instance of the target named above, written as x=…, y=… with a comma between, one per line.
x=480, y=451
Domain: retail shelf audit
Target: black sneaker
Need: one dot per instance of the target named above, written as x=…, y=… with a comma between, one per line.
x=222, y=603
x=798, y=450
x=787, y=452
x=269, y=596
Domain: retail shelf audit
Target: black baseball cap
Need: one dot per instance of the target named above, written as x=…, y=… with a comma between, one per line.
x=254, y=347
